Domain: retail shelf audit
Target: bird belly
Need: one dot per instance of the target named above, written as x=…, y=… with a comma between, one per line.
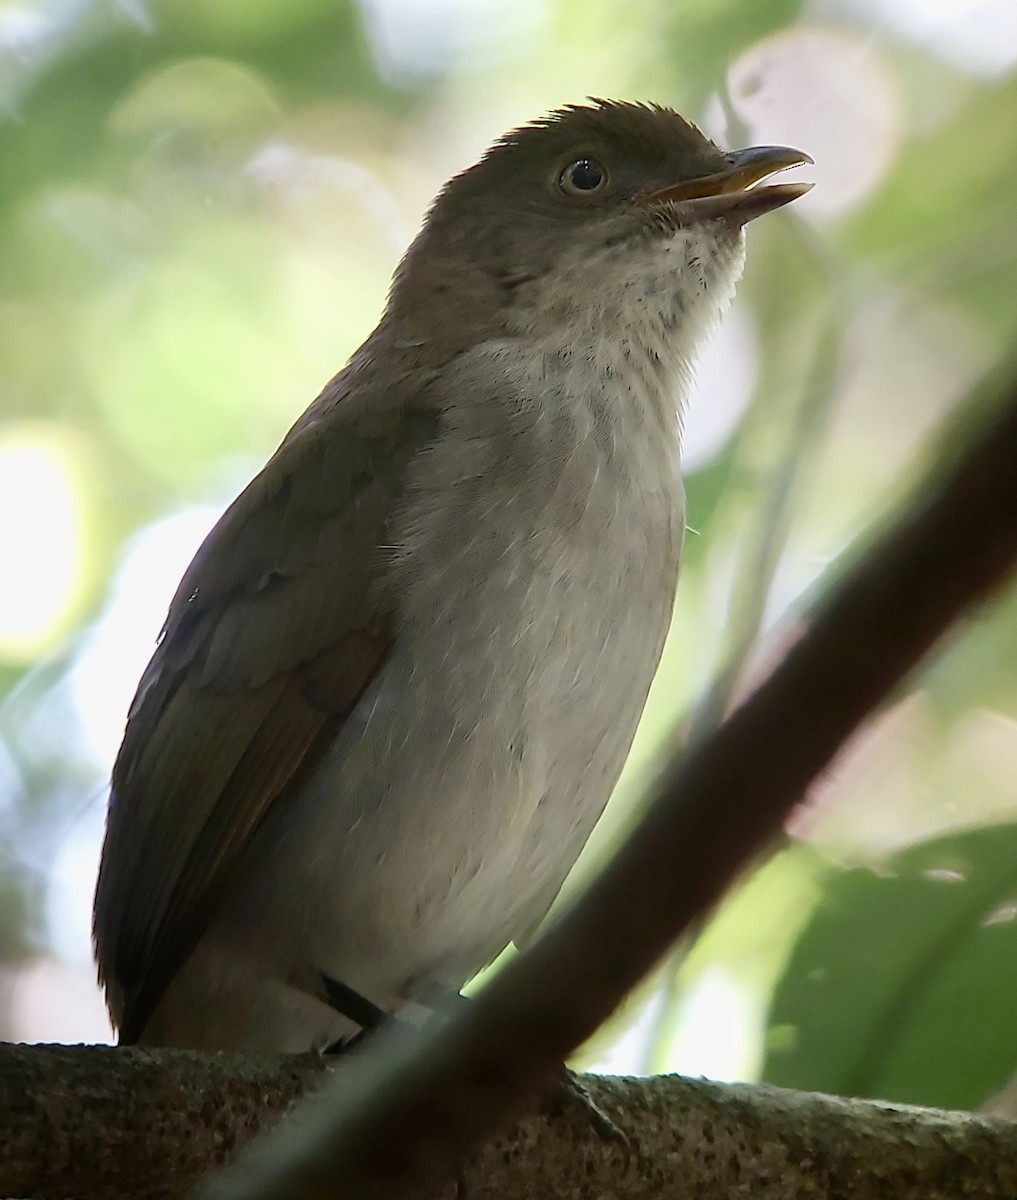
x=445, y=817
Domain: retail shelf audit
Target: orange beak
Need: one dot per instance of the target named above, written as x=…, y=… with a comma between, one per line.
x=731, y=192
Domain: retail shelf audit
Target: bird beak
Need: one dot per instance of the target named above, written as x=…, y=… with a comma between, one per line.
x=731, y=192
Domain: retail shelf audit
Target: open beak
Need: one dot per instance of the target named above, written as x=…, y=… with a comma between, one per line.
x=732, y=192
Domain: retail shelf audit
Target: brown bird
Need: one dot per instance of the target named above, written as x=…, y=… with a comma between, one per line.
x=400, y=678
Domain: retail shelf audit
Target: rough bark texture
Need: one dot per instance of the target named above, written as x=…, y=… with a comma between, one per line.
x=89, y=1122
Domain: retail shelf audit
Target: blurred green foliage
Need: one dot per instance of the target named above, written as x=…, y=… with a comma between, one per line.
x=201, y=202
x=923, y=955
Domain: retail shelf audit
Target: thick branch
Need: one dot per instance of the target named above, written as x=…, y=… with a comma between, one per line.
x=402, y=1122
x=85, y=1122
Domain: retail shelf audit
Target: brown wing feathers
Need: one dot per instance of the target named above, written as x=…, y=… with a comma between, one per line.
x=273, y=635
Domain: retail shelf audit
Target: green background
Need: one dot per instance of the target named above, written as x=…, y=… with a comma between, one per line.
x=200, y=206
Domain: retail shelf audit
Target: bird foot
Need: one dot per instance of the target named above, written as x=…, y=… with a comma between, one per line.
x=349, y=1003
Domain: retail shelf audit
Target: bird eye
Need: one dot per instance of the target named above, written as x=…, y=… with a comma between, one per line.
x=583, y=177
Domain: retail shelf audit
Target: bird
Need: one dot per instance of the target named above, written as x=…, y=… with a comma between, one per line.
x=400, y=678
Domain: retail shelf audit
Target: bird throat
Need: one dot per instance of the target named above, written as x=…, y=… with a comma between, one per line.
x=629, y=342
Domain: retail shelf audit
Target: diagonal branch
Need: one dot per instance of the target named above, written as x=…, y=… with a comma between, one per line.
x=404, y=1119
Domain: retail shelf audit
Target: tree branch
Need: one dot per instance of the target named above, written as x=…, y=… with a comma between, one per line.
x=85, y=1122
x=404, y=1119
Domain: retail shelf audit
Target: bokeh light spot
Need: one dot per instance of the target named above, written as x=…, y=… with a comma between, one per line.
x=830, y=92
x=40, y=538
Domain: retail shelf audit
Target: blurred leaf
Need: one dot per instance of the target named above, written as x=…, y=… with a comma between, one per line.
x=977, y=669
x=944, y=221
x=785, y=887
x=901, y=986
x=309, y=47
x=705, y=35
x=239, y=22
x=207, y=94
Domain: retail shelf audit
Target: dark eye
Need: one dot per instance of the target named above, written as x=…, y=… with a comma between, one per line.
x=582, y=177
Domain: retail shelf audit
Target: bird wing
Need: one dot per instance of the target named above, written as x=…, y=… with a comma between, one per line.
x=277, y=628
